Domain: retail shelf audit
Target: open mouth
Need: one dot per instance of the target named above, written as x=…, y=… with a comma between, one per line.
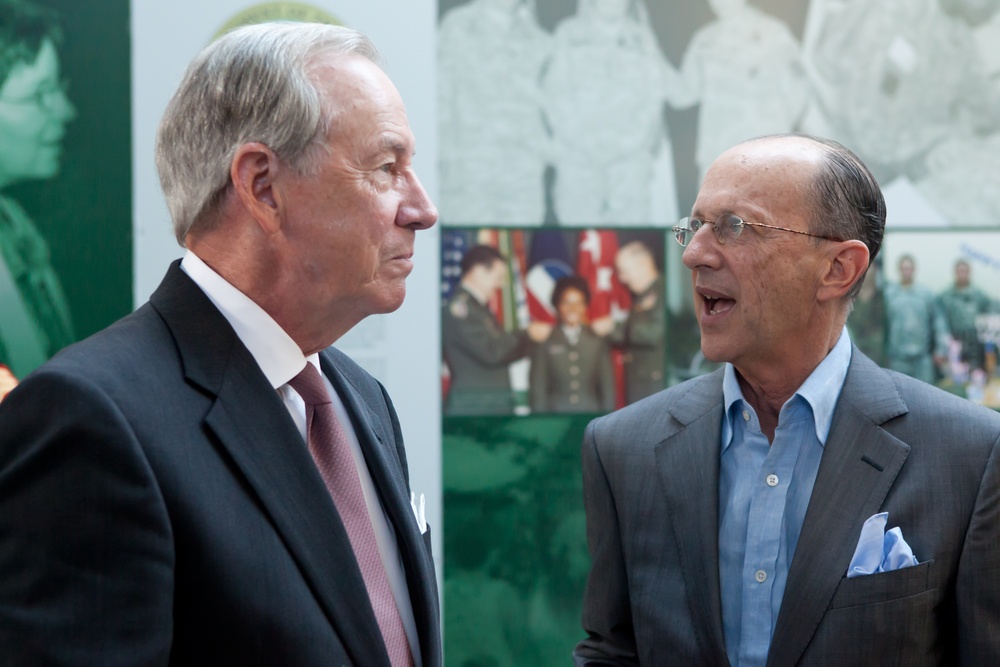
x=718, y=305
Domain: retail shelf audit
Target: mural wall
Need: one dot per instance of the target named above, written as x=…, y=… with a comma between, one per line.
x=561, y=140
x=65, y=165
x=572, y=135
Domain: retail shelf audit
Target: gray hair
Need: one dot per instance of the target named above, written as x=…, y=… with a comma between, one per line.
x=251, y=85
x=846, y=200
x=848, y=203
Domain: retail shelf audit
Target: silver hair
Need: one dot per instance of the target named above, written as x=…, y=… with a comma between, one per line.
x=251, y=85
x=846, y=199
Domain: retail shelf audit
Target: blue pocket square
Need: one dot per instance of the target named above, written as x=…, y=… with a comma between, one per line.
x=880, y=550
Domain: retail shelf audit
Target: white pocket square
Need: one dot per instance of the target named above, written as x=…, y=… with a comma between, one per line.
x=418, y=512
x=880, y=550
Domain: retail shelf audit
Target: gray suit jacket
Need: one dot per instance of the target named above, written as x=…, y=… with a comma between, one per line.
x=929, y=459
x=158, y=506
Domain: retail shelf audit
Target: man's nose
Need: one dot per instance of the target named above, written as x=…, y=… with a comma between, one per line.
x=701, y=247
x=417, y=209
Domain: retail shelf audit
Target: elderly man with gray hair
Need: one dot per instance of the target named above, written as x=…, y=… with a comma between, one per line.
x=207, y=481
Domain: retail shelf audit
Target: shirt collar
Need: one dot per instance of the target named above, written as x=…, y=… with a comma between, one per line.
x=278, y=356
x=820, y=390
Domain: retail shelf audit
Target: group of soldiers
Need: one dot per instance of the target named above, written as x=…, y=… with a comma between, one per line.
x=904, y=325
x=930, y=336
x=581, y=109
x=571, y=362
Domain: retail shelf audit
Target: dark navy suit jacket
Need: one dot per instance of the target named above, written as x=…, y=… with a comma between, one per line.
x=158, y=506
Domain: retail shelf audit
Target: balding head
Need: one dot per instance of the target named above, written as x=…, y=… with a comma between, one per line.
x=843, y=197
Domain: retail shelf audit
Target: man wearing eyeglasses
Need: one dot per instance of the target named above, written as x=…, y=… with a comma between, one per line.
x=800, y=505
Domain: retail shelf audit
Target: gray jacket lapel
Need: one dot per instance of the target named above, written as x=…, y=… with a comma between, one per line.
x=688, y=464
x=860, y=463
x=252, y=424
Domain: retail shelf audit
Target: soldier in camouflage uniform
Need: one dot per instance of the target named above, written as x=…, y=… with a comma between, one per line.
x=490, y=59
x=961, y=304
x=897, y=77
x=916, y=331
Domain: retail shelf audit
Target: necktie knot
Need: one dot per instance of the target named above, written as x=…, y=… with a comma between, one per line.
x=309, y=385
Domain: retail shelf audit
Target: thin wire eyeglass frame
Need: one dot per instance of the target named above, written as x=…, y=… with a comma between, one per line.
x=728, y=230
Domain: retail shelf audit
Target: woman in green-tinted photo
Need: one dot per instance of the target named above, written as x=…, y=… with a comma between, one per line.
x=34, y=112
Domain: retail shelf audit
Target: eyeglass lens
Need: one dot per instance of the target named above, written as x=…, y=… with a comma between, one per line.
x=726, y=228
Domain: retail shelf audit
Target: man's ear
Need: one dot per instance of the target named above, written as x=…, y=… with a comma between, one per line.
x=847, y=264
x=253, y=171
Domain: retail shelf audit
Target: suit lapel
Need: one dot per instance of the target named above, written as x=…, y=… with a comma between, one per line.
x=252, y=424
x=387, y=475
x=860, y=463
x=693, y=503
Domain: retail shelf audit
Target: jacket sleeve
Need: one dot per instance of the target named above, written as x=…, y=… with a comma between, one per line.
x=649, y=329
x=484, y=340
x=86, y=555
x=607, y=616
x=977, y=586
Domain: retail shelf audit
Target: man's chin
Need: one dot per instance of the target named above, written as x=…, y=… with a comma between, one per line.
x=390, y=300
x=713, y=353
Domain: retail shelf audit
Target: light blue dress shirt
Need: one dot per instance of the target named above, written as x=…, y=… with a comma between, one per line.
x=764, y=490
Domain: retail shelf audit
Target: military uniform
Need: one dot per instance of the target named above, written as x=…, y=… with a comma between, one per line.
x=903, y=75
x=868, y=326
x=915, y=330
x=36, y=321
x=604, y=90
x=572, y=377
x=489, y=63
x=643, y=337
x=478, y=352
x=755, y=90
x=960, y=307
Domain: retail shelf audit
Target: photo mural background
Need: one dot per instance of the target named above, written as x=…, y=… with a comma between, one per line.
x=570, y=129
x=568, y=135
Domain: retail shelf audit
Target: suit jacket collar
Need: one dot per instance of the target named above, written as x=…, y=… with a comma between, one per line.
x=252, y=424
x=389, y=478
x=694, y=449
x=860, y=463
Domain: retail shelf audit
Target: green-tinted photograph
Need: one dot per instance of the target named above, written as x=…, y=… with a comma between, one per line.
x=65, y=175
x=515, y=546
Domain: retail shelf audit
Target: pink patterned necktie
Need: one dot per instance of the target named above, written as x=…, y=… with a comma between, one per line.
x=331, y=451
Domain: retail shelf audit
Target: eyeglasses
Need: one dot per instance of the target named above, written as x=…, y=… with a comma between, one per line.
x=47, y=96
x=728, y=228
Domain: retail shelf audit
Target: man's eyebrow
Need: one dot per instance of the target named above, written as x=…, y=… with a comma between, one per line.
x=395, y=145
